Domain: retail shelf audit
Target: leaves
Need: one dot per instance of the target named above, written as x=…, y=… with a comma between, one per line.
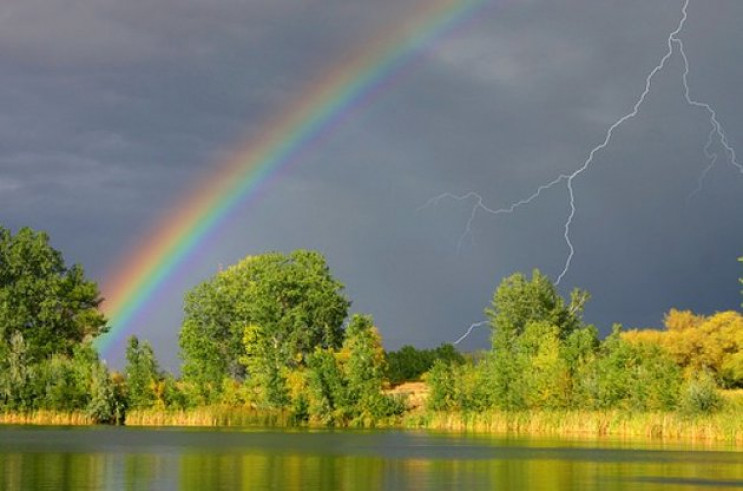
x=142, y=374
x=699, y=344
x=290, y=304
x=518, y=302
x=54, y=307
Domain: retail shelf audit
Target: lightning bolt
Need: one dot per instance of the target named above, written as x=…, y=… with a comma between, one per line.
x=469, y=330
x=716, y=130
x=716, y=135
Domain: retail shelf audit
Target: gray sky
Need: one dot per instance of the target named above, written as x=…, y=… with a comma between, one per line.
x=111, y=110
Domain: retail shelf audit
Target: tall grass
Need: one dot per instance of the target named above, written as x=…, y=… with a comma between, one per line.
x=722, y=426
x=219, y=415
x=725, y=425
x=225, y=415
x=46, y=417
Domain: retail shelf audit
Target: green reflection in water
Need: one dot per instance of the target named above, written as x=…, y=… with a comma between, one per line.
x=120, y=458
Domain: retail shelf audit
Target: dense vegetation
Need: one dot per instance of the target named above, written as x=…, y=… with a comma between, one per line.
x=410, y=363
x=272, y=335
x=544, y=357
x=48, y=317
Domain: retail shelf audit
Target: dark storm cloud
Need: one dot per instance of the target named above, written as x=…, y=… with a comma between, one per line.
x=113, y=109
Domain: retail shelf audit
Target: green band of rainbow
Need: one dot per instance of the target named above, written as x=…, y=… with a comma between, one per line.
x=317, y=111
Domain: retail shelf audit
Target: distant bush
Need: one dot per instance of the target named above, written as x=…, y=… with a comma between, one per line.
x=409, y=363
x=700, y=396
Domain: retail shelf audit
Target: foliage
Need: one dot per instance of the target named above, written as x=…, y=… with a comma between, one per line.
x=545, y=379
x=544, y=357
x=48, y=318
x=266, y=367
x=142, y=374
x=440, y=380
x=631, y=376
x=326, y=394
x=61, y=383
x=364, y=368
x=267, y=335
x=291, y=302
x=107, y=404
x=52, y=306
x=579, y=351
x=409, y=363
x=518, y=302
x=344, y=387
x=16, y=374
x=698, y=343
x=700, y=395
x=507, y=368
x=473, y=386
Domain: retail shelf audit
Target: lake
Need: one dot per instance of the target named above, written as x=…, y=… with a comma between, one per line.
x=200, y=459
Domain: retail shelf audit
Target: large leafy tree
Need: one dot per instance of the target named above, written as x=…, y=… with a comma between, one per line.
x=519, y=301
x=539, y=342
x=53, y=307
x=291, y=301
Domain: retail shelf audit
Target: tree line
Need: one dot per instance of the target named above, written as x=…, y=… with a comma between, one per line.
x=543, y=356
x=274, y=333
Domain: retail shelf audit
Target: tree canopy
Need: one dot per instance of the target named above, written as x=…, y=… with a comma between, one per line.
x=698, y=344
x=291, y=301
x=53, y=307
x=518, y=302
x=410, y=363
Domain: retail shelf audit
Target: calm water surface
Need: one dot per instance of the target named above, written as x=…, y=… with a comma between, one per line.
x=203, y=459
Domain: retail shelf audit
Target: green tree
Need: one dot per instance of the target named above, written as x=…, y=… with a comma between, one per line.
x=539, y=341
x=518, y=302
x=579, y=352
x=16, y=374
x=172, y=394
x=326, y=393
x=142, y=374
x=441, y=383
x=507, y=367
x=546, y=377
x=291, y=299
x=472, y=384
x=54, y=307
x=409, y=363
x=631, y=376
x=266, y=366
x=104, y=405
x=364, y=368
x=700, y=395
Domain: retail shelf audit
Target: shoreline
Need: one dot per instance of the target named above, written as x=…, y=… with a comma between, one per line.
x=722, y=427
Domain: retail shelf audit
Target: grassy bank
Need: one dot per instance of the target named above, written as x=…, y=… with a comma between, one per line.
x=44, y=417
x=219, y=415
x=724, y=426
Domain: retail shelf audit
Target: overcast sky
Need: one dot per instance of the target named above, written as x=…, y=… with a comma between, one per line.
x=111, y=110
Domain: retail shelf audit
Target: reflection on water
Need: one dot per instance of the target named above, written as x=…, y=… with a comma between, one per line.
x=126, y=458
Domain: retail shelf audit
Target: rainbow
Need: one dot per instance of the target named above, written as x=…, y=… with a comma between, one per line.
x=314, y=115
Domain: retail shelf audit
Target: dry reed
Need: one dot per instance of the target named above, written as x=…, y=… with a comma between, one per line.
x=724, y=426
x=45, y=417
x=208, y=416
